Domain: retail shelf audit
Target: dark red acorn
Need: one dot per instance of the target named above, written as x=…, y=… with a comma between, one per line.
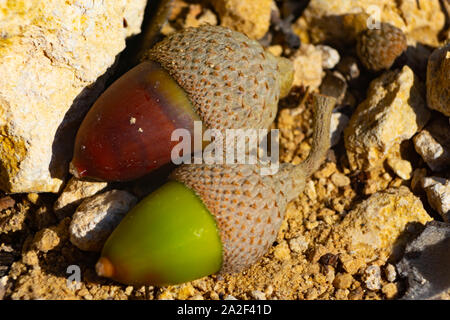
x=209, y=74
x=132, y=135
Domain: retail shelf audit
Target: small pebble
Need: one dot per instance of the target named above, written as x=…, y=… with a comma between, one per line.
x=438, y=194
x=343, y=280
x=340, y=180
x=390, y=290
x=402, y=168
x=372, y=277
x=298, y=244
x=33, y=198
x=97, y=217
x=46, y=239
x=330, y=56
x=390, y=272
x=258, y=295
x=6, y=203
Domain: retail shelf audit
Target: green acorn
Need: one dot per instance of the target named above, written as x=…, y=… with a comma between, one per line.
x=209, y=218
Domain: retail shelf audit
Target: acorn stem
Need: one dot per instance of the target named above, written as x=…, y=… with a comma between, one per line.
x=323, y=107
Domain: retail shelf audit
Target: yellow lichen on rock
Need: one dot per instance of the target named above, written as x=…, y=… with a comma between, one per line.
x=52, y=54
x=12, y=152
x=393, y=112
x=375, y=229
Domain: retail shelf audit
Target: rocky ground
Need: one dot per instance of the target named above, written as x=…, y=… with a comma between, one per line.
x=383, y=190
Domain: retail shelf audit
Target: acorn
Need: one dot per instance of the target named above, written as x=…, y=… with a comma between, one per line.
x=209, y=219
x=378, y=48
x=209, y=74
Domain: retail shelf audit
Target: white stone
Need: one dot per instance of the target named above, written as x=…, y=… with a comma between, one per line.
x=258, y=295
x=438, y=194
x=433, y=144
x=97, y=217
x=390, y=272
x=372, y=277
x=298, y=244
x=330, y=56
x=74, y=193
x=308, y=71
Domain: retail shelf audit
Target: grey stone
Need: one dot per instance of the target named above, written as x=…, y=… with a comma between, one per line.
x=426, y=263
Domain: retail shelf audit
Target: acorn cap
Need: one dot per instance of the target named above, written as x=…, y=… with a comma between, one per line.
x=378, y=48
x=230, y=79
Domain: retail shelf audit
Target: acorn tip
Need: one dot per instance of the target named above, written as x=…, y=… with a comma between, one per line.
x=104, y=268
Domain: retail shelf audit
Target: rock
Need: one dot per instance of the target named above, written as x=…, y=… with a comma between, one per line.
x=426, y=263
x=338, y=123
x=390, y=290
x=340, y=179
x=298, y=244
x=378, y=227
x=258, y=295
x=438, y=81
x=341, y=20
x=52, y=55
x=6, y=203
x=6, y=260
x=390, y=272
x=438, y=194
x=433, y=144
x=33, y=197
x=343, y=281
x=393, y=112
x=47, y=239
x=402, y=168
x=416, y=180
x=335, y=85
x=307, y=66
x=74, y=193
x=196, y=18
x=372, y=277
x=97, y=217
x=249, y=17
x=348, y=66
x=330, y=56
x=276, y=50
x=3, y=283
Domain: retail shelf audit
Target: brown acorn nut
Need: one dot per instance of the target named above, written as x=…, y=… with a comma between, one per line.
x=379, y=48
x=210, y=73
x=248, y=209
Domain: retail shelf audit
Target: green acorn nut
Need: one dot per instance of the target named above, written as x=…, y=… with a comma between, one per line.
x=209, y=218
